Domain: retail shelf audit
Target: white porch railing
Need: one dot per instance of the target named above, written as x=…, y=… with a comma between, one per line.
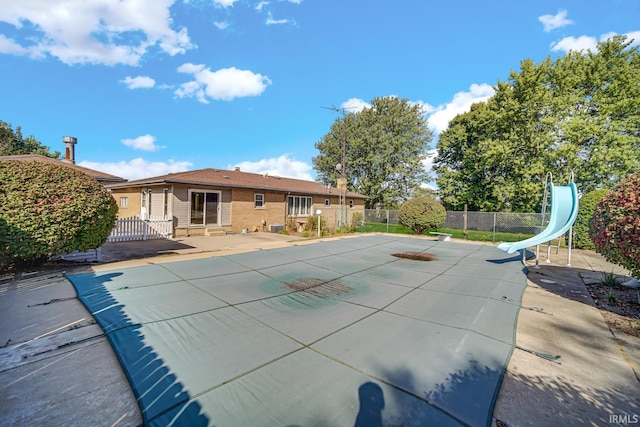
x=135, y=228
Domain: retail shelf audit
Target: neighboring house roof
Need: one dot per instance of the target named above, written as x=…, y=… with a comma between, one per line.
x=101, y=177
x=238, y=179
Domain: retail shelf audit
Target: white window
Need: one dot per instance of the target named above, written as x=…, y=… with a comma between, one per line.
x=124, y=202
x=258, y=201
x=351, y=203
x=327, y=203
x=300, y=206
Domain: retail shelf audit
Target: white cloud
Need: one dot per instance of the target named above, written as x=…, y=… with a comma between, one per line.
x=140, y=82
x=190, y=90
x=143, y=143
x=427, y=162
x=224, y=84
x=221, y=25
x=271, y=21
x=430, y=187
x=260, y=5
x=138, y=168
x=11, y=47
x=224, y=3
x=279, y=166
x=426, y=108
x=440, y=116
x=552, y=22
x=354, y=105
x=262, y=8
x=95, y=32
x=577, y=44
x=584, y=43
x=461, y=103
x=635, y=36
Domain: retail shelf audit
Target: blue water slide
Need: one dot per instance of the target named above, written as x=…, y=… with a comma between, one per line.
x=564, y=210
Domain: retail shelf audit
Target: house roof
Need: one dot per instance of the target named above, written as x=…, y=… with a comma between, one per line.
x=238, y=179
x=97, y=175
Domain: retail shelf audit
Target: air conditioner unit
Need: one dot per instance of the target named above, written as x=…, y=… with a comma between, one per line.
x=276, y=228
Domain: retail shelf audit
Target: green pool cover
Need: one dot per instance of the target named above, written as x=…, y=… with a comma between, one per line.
x=331, y=333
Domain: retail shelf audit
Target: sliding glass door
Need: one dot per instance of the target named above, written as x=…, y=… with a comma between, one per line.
x=204, y=207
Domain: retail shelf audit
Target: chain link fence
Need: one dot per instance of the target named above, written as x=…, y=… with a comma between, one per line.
x=383, y=216
x=495, y=222
x=498, y=222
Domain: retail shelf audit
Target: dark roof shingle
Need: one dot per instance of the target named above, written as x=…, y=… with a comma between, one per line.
x=97, y=175
x=238, y=179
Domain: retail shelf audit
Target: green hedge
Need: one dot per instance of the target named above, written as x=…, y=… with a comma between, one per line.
x=421, y=214
x=49, y=209
x=587, y=206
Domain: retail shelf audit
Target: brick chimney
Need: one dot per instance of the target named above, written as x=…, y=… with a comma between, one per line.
x=70, y=152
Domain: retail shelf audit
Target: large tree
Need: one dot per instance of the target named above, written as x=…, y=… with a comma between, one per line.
x=384, y=148
x=12, y=142
x=578, y=113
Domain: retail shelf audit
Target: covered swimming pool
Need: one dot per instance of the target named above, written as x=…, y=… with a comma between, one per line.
x=338, y=332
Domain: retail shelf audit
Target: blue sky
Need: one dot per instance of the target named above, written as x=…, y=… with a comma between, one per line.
x=156, y=86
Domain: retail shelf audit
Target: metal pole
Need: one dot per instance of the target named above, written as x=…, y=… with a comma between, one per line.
x=494, y=226
x=343, y=160
x=572, y=178
x=464, y=229
x=387, y=220
x=570, y=244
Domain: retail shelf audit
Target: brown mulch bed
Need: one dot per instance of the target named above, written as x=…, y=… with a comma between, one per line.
x=619, y=306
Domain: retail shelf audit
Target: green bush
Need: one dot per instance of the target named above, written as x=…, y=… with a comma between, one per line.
x=357, y=219
x=588, y=203
x=421, y=214
x=345, y=229
x=615, y=225
x=49, y=209
x=312, y=224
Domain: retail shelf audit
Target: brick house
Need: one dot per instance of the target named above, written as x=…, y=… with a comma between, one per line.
x=211, y=201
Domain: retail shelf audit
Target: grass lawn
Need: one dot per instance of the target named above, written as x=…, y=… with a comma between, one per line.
x=482, y=236
x=379, y=227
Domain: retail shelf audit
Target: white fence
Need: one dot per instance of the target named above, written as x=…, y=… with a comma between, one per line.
x=135, y=228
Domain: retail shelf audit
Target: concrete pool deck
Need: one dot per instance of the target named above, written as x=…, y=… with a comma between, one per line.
x=54, y=360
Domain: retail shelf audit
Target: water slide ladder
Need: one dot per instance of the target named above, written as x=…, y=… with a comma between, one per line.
x=564, y=210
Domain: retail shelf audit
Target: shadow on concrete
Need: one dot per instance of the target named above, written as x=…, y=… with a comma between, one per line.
x=163, y=400
x=564, y=403
x=566, y=282
x=122, y=251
